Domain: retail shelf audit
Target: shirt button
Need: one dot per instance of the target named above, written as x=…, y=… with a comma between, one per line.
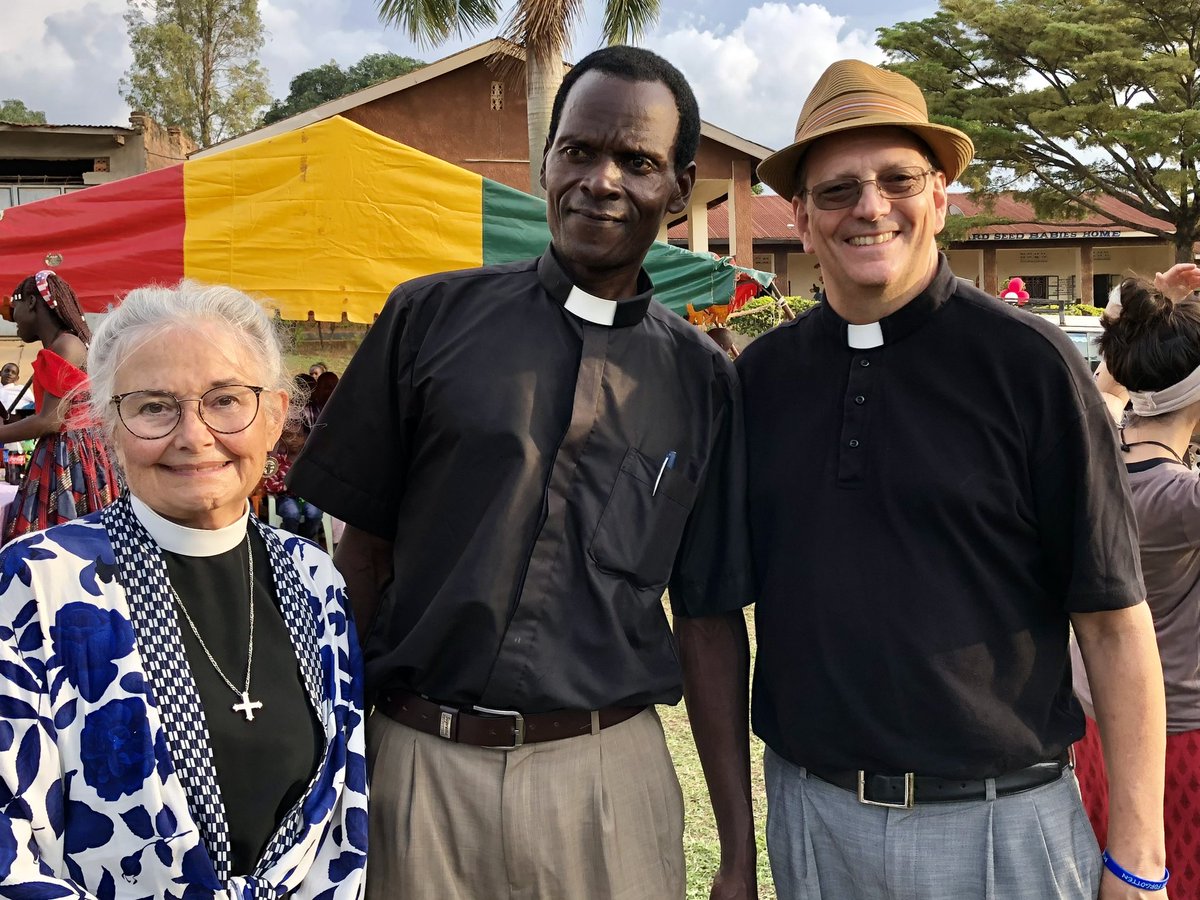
x=864, y=362
x=860, y=399
x=853, y=442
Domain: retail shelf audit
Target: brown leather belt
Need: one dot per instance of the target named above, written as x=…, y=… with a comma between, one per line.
x=501, y=728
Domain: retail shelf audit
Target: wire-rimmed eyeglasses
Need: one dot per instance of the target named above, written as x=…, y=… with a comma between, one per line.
x=225, y=409
x=895, y=184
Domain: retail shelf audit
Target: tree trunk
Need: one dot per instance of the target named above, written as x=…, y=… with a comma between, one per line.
x=543, y=75
x=1184, y=242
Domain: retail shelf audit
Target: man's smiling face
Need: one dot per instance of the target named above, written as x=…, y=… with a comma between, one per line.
x=878, y=250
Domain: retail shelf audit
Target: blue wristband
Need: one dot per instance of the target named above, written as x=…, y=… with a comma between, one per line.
x=1129, y=878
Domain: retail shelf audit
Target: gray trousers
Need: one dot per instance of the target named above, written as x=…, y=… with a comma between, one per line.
x=825, y=845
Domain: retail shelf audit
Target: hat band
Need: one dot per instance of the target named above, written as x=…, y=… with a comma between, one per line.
x=858, y=109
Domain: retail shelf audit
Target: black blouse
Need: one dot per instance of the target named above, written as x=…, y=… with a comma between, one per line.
x=262, y=765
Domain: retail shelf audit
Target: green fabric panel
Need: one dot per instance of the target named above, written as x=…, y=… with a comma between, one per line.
x=514, y=227
x=514, y=224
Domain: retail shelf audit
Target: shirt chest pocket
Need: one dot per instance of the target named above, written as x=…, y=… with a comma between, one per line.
x=639, y=531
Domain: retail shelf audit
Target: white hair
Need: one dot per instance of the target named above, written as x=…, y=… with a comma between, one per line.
x=148, y=312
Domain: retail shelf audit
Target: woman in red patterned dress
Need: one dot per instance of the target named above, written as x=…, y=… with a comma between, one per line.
x=1151, y=347
x=69, y=472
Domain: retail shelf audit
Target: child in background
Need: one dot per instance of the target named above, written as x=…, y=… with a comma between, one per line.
x=299, y=517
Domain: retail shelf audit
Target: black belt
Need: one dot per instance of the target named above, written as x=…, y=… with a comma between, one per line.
x=905, y=791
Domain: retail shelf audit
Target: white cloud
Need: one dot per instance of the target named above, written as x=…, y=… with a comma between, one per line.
x=66, y=58
x=752, y=79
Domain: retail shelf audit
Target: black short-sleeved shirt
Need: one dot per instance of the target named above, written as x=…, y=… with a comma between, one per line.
x=924, y=515
x=542, y=479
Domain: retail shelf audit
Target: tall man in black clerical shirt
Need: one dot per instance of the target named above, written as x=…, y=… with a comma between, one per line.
x=526, y=455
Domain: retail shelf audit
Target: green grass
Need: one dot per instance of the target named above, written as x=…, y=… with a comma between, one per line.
x=700, y=844
x=295, y=363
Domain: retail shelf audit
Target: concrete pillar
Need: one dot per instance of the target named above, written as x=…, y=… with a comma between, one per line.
x=1084, y=288
x=697, y=225
x=991, y=284
x=741, y=216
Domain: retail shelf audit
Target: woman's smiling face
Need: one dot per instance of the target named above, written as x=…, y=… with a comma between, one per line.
x=195, y=476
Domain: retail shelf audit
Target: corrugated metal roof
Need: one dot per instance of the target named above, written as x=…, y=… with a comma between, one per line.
x=56, y=127
x=771, y=217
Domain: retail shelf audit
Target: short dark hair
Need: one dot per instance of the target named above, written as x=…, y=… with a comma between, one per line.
x=638, y=65
x=1154, y=342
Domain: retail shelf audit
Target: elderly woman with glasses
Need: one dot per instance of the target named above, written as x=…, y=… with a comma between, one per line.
x=180, y=697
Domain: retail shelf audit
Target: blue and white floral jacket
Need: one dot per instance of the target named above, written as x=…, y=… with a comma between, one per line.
x=107, y=785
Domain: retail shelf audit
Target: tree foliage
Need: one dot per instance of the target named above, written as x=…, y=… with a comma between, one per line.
x=195, y=65
x=1068, y=100
x=330, y=81
x=16, y=112
x=542, y=27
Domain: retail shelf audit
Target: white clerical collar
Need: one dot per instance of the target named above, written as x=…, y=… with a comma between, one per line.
x=590, y=308
x=579, y=303
x=176, y=538
x=864, y=337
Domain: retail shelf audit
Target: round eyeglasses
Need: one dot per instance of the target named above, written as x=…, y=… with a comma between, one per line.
x=226, y=409
x=895, y=184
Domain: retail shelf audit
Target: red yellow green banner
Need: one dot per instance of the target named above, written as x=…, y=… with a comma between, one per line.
x=322, y=220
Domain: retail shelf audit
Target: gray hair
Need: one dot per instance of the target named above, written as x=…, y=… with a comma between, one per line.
x=147, y=312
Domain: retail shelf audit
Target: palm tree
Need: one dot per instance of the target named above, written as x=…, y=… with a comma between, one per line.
x=542, y=27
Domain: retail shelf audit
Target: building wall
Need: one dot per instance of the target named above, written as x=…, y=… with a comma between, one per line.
x=1144, y=260
x=160, y=146
x=797, y=271
x=966, y=264
x=802, y=273
x=491, y=142
x=121, y=158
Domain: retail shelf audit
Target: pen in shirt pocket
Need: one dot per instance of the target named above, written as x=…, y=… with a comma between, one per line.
x=667, y=463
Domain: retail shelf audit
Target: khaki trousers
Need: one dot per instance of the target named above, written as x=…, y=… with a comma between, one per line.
x=597, y=817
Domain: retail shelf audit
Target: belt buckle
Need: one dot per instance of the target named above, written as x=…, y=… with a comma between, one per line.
x=518, y=724
x=910, y=780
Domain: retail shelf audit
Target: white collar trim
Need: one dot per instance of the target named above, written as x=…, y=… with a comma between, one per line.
x=864, y=337
x=590, y=308
x=176, y=538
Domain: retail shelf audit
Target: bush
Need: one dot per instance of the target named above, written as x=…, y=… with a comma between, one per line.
x=763, y=313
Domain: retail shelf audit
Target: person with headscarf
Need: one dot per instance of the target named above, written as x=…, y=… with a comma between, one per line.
x=1151, y=347
x=70, y=472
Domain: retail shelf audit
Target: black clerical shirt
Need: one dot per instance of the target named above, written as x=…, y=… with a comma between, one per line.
x=927, y=509
x=542, y=479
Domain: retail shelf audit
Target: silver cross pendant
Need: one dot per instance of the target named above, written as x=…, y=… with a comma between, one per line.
x=247, y=706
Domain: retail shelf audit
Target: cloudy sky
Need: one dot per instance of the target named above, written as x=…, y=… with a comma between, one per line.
x=751, y=65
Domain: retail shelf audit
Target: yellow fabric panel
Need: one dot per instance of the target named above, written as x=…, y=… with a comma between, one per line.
x=328, y=219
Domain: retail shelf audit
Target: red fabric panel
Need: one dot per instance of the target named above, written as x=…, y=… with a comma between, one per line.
x=112, y=237
x=1181, y=804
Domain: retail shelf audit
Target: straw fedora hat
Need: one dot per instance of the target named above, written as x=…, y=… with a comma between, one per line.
x=854, y=94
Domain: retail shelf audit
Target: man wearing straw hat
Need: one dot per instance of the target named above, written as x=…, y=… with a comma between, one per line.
x=935, y=498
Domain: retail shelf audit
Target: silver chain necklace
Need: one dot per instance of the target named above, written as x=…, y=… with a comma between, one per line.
x=247, y=706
